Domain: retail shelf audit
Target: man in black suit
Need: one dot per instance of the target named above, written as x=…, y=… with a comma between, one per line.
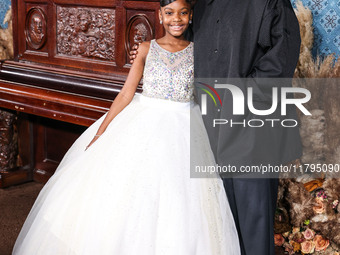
x=249, y=39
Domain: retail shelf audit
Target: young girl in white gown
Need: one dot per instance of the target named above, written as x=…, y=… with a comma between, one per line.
x=130, y=191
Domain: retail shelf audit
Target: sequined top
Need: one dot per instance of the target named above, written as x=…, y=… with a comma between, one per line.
x=169, y=75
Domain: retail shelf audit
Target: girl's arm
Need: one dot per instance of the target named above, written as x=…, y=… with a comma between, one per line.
x=127, y=93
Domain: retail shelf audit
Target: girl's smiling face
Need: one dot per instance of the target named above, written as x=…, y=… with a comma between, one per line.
x=175, y=17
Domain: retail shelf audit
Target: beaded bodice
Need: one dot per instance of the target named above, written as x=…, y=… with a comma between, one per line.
x=169, y=75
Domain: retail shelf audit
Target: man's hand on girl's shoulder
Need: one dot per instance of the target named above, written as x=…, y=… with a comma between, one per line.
x=140, y=55
x=133, y=53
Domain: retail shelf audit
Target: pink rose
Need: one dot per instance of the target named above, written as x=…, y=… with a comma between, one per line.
x=278, y=239
x=320, y=207
x=320, y=243
x=308, y=234
x=307, y=247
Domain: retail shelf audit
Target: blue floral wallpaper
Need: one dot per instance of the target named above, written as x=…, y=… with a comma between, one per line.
x=4, y=6
x=326, y=14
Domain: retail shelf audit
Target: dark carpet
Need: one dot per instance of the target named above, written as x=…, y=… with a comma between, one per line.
x=15, y=204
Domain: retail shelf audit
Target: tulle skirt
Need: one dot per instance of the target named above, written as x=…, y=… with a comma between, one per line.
x=131, y=191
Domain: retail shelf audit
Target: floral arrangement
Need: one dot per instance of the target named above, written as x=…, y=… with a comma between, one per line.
x=307, y=219
x=305, y=241
x=299, y=240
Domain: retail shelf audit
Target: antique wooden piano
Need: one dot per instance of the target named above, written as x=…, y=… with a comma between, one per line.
x=70, y=60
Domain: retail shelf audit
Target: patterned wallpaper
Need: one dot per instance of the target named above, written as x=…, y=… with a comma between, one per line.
x=326, y=23
x=4, y=6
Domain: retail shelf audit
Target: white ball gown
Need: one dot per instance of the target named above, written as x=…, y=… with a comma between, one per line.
x=131, y=193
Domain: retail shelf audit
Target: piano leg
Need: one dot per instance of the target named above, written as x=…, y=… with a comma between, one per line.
x=15, y=157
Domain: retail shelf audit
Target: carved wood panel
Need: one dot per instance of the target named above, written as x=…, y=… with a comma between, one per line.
x=140, y=25
x=139, y=29
x=91, y=36
x=86, y=32
x=35, y=28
